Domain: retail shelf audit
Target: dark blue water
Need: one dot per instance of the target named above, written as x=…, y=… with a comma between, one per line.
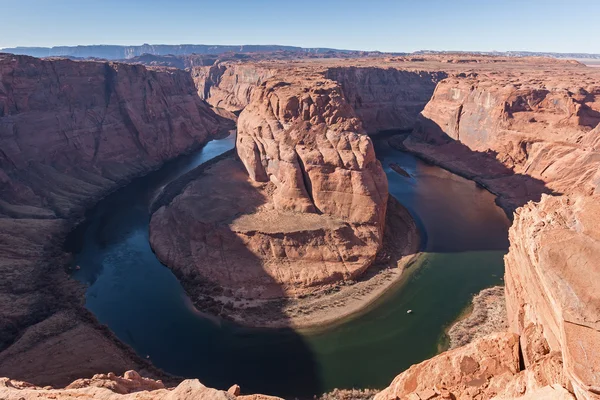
x=146, y=307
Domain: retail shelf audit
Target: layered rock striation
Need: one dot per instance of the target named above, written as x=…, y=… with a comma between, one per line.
x=552, y=276
x=70, y=132
x=303, y=208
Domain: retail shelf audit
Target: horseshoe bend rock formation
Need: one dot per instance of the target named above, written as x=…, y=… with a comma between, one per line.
x=70, y=132
x=303, y=209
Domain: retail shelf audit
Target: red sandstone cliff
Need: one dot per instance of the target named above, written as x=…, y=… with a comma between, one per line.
x=69, y=133
x=522, y=134
x=386, y=98
x=552, y=278
x=229, y=85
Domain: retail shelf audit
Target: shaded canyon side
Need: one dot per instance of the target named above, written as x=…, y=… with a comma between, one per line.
x=70, y=132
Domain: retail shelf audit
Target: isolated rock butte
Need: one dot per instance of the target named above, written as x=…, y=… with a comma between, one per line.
x=70, y=132
x=308, y=211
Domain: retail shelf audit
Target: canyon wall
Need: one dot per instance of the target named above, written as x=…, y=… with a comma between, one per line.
x=70, y=132
x=519, y=136
x=229, y=85
x=552, y=278
x=522, y=134
x=386, y=98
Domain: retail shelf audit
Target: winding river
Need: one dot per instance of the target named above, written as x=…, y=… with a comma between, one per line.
x=465, y=238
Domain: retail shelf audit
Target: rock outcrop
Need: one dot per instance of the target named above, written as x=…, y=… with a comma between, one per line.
x=487, y=368
x=130, y=386
x=552, y=276
x=304, y=208
x=70, y=132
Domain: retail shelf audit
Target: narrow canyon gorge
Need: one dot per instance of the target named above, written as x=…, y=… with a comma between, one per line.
x=298, y=216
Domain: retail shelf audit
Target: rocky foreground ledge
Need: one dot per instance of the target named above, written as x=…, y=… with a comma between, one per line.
x=130, y=386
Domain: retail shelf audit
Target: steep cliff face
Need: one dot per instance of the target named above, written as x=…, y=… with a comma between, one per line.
x=523, y=134
x=552, y=277
x=519, y=136
x=386, y=98
x=70, y=130
x=229, y=86
x=69, y=133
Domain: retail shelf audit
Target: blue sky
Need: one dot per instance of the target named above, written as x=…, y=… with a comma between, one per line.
x=386, y=25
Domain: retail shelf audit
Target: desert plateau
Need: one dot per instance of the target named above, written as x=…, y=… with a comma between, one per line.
x=266, y=222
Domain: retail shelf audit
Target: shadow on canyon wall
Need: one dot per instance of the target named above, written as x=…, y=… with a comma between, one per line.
x=146, y=306
x=431, y=143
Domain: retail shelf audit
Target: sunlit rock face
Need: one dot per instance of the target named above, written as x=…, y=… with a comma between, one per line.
x=304, y=207
x=519, y=134
x=552, y=276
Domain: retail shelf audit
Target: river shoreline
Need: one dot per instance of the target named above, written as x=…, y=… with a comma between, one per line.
x=398, y=142
x=486, y=314
x=331, y=305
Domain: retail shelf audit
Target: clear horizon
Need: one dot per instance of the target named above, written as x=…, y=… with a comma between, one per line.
x=380, y=25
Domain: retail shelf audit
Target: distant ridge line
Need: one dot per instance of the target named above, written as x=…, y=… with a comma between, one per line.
x=121, y=52
x=118, y=52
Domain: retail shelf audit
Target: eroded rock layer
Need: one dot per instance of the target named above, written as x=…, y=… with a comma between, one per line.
x=70, y=132
x=519, y=134
x=552, y=278
x=304, y=208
